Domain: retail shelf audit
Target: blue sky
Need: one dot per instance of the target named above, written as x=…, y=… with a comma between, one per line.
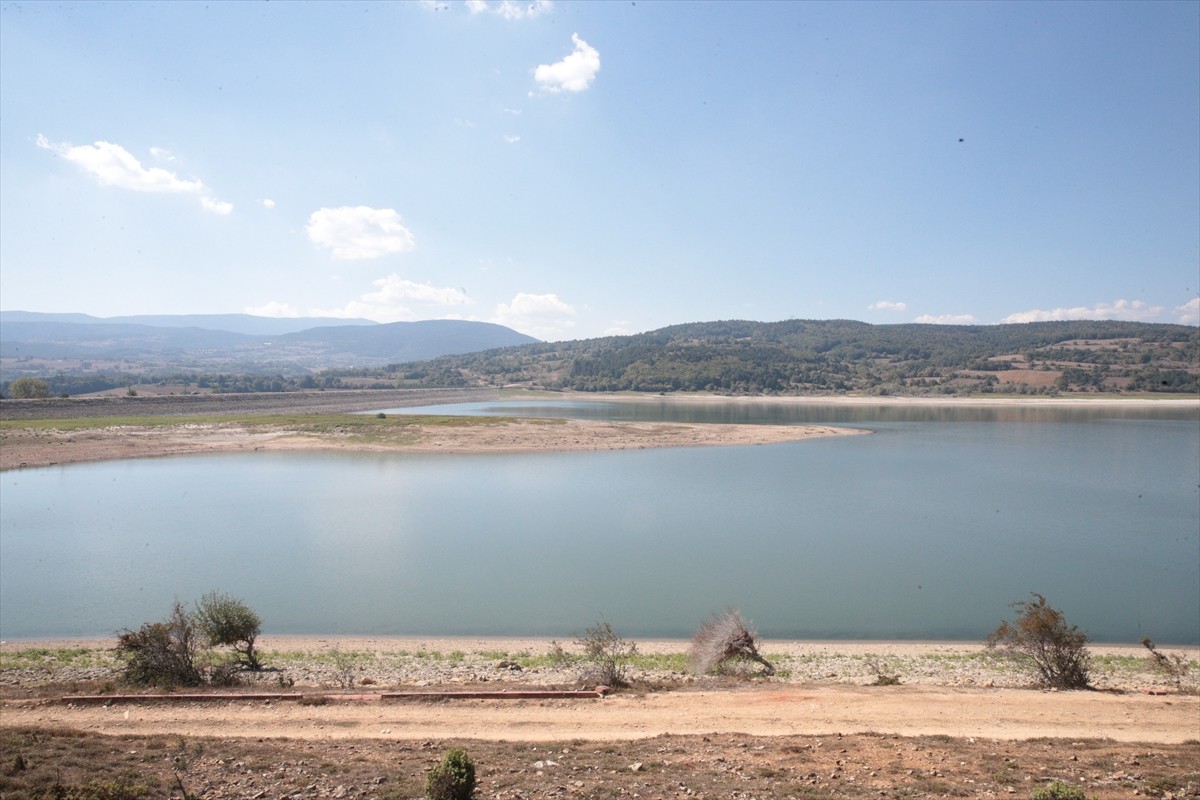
x=575, y=169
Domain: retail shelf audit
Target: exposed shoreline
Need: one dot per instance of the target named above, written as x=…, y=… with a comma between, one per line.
x=1077, y=401
x=23, y=447
x=42, y=444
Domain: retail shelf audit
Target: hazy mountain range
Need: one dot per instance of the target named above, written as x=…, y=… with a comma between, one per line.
x=82, y=354
x=33, y=343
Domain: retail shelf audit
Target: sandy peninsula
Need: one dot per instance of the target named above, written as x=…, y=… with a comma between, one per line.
x=33, y=435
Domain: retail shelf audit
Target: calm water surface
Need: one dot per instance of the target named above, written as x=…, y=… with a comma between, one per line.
x=926, y=529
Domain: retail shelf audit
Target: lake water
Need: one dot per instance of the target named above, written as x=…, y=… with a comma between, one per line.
x=928, y=528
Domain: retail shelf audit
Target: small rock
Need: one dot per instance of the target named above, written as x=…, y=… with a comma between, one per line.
x=635, y=766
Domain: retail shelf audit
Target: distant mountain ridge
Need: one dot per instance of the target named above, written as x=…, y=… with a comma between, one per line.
x=234, y=323
x=844, y=356
x=35, y=345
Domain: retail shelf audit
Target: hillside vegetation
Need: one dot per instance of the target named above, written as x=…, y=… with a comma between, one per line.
x=836, y=356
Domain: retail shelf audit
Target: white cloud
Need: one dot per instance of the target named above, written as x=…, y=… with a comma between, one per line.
x=272, y=309
x=510, y=9
x=216, y=206
x=267, y=202
x=1133, y=310
x=946, y=319
x=359, y=232
x=1189, y=312
x=887, y=305
x=512, y=139
x=574, y=73
x=620, y=327
x=393, y=301
x=113, y=165
x=543, y=316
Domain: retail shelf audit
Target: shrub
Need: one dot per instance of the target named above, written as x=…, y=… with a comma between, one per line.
x=606, y=655
x=227, y=621
x=453, y=779
x=161, y=653
x=1059, y=791
x=1173, y=665
x=28, y=389
x=1041, y=639
x=723, y=638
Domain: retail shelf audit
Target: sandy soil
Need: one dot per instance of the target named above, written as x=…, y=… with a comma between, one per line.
x=776, y=707
x=764, y=711
x=35, y=447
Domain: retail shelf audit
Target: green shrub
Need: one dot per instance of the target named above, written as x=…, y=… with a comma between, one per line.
x=1059, y=791
x=227, y=621
x=28, y=389
x=453, y=779
x=1040, y=638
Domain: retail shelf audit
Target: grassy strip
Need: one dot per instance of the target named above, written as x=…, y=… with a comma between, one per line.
x=56, y=657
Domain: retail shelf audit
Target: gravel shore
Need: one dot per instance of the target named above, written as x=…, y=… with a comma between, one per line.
x=333, y=662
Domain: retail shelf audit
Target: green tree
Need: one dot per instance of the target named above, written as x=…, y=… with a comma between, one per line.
x=28, y=389
x=228, y=622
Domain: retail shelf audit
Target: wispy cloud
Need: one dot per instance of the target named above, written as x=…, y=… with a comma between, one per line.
x=113, y=165
x=946, y=319
x=1132, y=310
x=511, y=10
x=395, y=300
x=574, y=73
x=543, y=316
x=888, y=305
x=359, y=232
x=267, y=202
x=512, y=139
x=216, y=206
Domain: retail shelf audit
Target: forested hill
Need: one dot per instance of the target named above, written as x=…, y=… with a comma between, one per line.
x=833, y=356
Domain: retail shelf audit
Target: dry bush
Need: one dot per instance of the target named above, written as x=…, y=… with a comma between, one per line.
x=723, y=638
x=162, y=653
x=1040, y=638
x=1174, y=665
x=606, y=656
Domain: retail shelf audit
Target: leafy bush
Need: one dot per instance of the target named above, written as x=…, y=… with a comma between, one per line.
x=162, y=653
x=453, y=779
x=1041, y=639
x=606, y=655
x=166, y=653
x=28, y=389
x=723, y=638
x=1059, y=791
x=227, y=621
